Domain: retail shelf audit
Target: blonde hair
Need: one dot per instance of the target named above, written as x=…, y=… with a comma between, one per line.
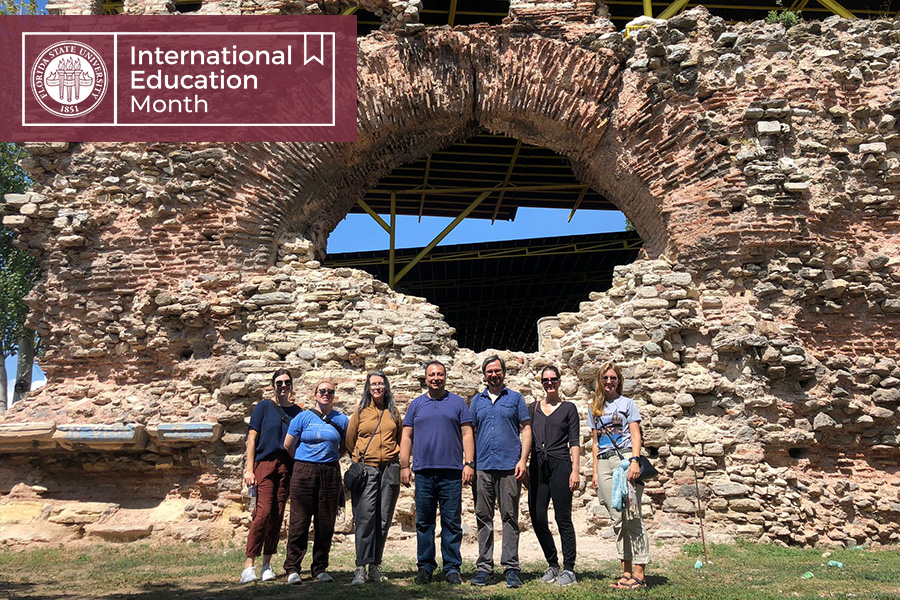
x=598, y=404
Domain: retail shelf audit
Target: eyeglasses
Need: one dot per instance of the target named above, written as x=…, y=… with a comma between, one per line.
x=610, y=379
x=547, y=380
x=281, y=384
x=376, y=385
x=325, y=392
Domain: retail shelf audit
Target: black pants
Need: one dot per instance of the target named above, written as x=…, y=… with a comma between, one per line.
x=549, y=480
x=315, y=489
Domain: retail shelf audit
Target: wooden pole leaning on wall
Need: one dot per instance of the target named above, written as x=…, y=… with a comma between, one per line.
x=699, y=507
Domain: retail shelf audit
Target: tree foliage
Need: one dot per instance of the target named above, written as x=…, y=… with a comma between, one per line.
x=19, y=7
x=18, y=269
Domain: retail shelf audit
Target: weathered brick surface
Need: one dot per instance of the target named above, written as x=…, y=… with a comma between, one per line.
x=759, y=332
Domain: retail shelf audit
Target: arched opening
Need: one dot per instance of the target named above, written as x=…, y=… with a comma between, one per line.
x=535, y=241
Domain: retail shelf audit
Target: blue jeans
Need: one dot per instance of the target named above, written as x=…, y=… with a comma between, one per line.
x=439, y=487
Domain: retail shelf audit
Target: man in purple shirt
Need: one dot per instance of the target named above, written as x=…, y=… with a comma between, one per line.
x=440, y=426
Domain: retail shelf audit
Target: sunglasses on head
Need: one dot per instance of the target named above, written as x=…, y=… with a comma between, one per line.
x=547, y=380
x=281, y=384
x=325, y=392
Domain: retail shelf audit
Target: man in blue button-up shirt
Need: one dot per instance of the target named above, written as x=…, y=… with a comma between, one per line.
x=499, y=416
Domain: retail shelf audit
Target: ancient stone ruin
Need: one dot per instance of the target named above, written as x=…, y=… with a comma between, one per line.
x=759, y=331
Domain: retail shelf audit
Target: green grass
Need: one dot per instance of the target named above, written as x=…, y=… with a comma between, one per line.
x=742, y=571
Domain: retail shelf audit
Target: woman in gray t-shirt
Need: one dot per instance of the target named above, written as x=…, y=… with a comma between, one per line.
x=614, y=421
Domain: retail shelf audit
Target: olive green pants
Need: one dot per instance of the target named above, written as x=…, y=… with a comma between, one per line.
x=632, y=541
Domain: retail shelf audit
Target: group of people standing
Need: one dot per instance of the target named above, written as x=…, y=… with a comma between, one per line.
x=442, y=444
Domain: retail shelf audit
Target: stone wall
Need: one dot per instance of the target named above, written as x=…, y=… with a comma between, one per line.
x=759, y=333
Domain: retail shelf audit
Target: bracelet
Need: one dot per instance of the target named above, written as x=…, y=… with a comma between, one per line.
x=406, y=467
x=634, y=458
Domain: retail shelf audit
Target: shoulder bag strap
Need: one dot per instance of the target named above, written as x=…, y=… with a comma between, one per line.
x=609, y=435
x=329, y=421
x=284, y=416
x=362, y=457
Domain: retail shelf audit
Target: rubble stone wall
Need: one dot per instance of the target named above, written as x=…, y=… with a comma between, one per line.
x=759, y=332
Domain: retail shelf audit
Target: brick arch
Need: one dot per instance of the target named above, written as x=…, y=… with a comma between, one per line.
x=417, y=95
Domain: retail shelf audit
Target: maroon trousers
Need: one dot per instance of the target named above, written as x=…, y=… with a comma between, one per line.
x=273, y=479
x=315, y=492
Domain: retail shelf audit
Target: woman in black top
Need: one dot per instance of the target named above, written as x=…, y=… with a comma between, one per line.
x=554, y=475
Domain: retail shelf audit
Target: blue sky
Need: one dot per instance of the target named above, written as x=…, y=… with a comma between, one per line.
x=37, y=380
x=360, y=233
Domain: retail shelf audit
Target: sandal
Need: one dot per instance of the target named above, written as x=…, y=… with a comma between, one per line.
x=630, y=583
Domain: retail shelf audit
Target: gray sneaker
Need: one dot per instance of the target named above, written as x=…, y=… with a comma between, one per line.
x=375, y=573
x=550, y=576
x=565, y=578
x=360, y=577
x=324, y=577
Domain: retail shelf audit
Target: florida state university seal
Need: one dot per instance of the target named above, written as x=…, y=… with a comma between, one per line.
x=69, y=79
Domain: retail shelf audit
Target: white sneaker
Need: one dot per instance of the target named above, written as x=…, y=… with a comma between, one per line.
x=267, y=574
x=550, y=576
x=248, y=575
x=294, y=578
x=324, y=577
x=375, y=573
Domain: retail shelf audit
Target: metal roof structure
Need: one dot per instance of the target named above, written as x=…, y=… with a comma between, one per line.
x=469, y=12
x=494, y=293
x=444, y=182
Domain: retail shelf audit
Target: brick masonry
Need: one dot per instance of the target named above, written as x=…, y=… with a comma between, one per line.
x=759, y=330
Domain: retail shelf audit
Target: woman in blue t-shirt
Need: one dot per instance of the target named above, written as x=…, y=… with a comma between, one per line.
x=315, y=438
x=269, y=469
x=614, y=421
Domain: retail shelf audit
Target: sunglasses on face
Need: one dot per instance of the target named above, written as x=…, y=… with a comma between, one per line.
x=610, y=379
x=547, y=380
x=325, y=392
x=281, y=384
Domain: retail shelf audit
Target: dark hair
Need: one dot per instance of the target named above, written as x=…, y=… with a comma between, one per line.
x=489, y=360
x=550, y=368
x=279, y=373
x=435, y=362
x=388, y=395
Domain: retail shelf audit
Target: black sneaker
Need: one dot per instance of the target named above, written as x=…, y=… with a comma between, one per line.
x=423, y=577
x=453, y=578
x=482, y=578
x=512, y=578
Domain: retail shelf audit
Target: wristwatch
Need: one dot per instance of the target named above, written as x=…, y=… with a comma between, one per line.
x=470, y=464
x=633, y=458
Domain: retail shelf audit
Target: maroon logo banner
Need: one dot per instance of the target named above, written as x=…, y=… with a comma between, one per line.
x=170, y=79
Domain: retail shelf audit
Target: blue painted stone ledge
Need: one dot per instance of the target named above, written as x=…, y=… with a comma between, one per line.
x=126, y=436
x=192, y=433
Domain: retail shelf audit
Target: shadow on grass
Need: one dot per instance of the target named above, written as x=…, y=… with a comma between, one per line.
x=399, y=586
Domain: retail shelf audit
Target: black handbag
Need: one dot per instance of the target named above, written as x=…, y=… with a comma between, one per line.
x=648, y=471
x=355, y=476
